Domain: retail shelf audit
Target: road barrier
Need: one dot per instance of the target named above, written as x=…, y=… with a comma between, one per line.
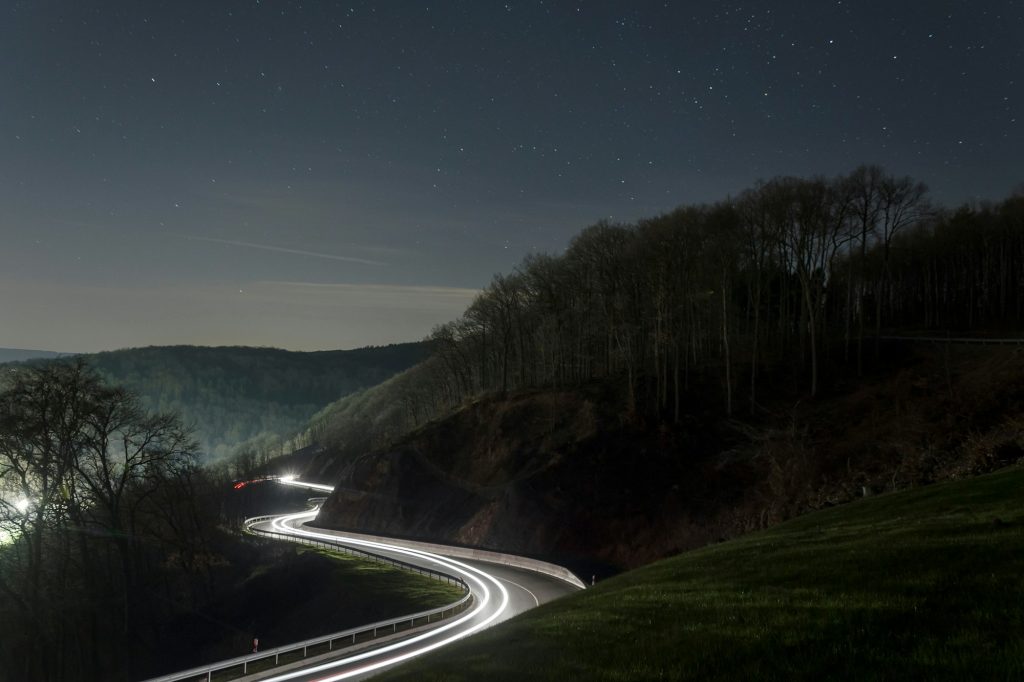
x=334, y=547
x=289, y=653
x=953, y=339
x=535, y=565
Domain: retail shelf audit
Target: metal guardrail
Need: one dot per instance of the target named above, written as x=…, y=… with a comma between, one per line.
x=334, y=547
x=266, y=660
x=954, y=339
x=513, y=560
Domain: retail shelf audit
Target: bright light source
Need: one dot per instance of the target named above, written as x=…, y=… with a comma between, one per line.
x=294, y=480
x=22, y=505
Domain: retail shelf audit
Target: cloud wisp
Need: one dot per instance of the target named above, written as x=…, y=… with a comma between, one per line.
x=281, y=249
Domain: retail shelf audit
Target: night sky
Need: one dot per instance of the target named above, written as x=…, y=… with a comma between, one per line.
x=327, y=175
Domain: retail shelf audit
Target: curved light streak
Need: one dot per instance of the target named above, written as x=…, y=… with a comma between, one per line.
x=413, y=646
x=292, y=480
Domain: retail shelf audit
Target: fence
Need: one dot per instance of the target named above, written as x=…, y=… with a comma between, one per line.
x=289, y=653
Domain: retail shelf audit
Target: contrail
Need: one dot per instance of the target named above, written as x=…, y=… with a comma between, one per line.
x=281, y=249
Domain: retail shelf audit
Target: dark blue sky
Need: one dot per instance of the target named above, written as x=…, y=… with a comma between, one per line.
x=323, y=174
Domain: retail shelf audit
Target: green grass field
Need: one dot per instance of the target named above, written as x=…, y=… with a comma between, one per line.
x=919, y=585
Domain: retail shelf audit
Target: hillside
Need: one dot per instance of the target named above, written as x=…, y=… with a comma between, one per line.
x=570, y=476
x=923, y=584
x=238, y=394
x=699, y=374
x=547, y=472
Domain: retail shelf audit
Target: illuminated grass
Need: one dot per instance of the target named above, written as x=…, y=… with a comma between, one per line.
x=364, y=591
x=395, y=584
x=925, y=584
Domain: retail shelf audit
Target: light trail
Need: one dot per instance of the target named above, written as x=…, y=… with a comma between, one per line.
x=413, y=646
x=490, y=601
x=292, y=480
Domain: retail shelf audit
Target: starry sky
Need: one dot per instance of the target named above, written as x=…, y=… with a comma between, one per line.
x=321, y=174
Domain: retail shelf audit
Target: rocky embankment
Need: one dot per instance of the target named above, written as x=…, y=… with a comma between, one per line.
x=565, y=476
x=551, y=474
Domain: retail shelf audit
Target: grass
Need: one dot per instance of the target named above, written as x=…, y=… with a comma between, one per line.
x=297, y=594
x=923, y=584
x=388, y=584
x=392, y=588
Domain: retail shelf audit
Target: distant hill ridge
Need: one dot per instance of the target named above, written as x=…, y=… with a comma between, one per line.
x=22, y=354
x=236, y=395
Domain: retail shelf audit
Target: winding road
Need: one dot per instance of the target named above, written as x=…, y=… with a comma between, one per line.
x=499, y=592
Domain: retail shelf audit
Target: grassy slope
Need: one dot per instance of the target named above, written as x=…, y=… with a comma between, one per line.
x=924, y=584
x=297, y=595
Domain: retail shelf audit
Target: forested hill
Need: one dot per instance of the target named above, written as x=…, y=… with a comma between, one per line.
x=782, y=290
x=237, y=394
x=734, y=341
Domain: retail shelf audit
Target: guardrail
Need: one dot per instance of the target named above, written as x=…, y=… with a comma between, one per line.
x=289, y=653
x=271, y=658
x=535, y=565
x=345, y=549
x=953, y=339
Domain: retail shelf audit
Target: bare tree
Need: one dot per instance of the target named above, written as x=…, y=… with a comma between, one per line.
x=902, y=203
x=79, y=462
x=865, y=185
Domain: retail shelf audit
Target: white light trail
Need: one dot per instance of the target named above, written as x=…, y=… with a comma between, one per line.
x=414, y=646
x=292, y=480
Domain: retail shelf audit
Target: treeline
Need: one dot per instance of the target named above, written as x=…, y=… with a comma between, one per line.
x=792, y=275
x=782, y=287
x=105, y=524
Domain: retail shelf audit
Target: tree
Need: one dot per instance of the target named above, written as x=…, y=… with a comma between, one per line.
x=902, y=203
x=724, y=225
x=817, y=229
x=80, y=463
x=865, y=186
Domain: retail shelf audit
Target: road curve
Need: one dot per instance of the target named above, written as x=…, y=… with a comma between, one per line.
x=500, y=592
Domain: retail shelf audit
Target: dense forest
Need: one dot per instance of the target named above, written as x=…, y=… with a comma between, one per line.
x=793, y=273
x=247, y=398
x=786, y=286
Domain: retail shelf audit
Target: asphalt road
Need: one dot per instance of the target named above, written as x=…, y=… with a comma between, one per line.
x=500, y=592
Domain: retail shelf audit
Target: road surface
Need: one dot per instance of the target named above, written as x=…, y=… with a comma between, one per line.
x=500, y=592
